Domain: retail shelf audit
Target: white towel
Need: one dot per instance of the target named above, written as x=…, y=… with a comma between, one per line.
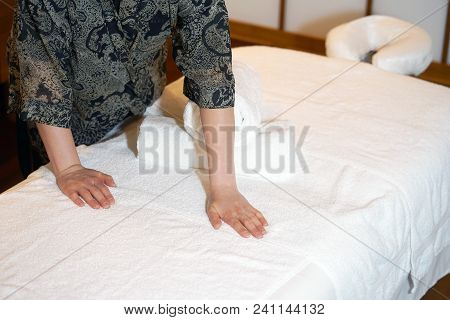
x=247, y=106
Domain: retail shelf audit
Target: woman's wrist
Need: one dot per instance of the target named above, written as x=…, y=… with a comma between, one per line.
x=218, y=185
x=66, y=169
x=60, y=147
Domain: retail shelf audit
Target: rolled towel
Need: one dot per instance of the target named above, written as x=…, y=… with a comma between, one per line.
x=260, y=149
x=247, y=106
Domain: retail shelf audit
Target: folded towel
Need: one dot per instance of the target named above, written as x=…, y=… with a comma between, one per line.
x=265, y=149
x=246, y=109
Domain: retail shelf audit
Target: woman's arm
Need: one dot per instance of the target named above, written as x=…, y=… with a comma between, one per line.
x=225, y=202
x=202, y=51
x=41, y=93
x=75, y=181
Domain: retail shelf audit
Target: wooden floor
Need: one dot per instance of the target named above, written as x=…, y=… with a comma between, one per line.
x=441, y=291
x=9, y=165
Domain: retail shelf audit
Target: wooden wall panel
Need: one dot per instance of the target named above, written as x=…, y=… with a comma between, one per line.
x=369, y=7
x=445, y=49
x=282, y=15
x=6, y=14
x=244, y=34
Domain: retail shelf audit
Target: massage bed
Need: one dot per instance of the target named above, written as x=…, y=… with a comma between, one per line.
x=368, y=219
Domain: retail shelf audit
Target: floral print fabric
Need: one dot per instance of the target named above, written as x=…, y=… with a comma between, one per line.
x=85, y=65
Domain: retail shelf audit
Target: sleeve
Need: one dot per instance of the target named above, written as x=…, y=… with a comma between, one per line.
x=202, y=52
x=39, y=60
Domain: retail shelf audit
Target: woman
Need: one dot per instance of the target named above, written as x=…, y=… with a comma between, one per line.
x=80, y=67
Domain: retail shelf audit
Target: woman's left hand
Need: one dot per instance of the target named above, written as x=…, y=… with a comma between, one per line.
x=230, y=206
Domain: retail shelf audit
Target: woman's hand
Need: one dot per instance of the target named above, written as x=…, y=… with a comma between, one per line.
x=79, y=183
x=230, y=206
x=75, y=181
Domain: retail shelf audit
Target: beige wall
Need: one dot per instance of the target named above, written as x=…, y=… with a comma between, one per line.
x=260, y=12
x=316, y=17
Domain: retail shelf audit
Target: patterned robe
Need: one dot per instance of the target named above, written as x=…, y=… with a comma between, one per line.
x=84, y=65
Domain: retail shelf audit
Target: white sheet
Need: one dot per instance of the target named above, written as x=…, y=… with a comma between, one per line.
x=374, y=207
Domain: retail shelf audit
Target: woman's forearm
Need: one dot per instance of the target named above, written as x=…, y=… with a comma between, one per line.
x=225, y=202
x=60, y=147
x=218, y=128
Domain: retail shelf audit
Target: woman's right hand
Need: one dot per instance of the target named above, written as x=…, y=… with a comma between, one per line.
x=82, y=185
x=79, y=184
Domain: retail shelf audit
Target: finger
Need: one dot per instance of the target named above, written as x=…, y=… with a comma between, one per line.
x=76, y=199
x=240, y=229
x=251, y=213
x=98, y=195
x=260, y=217
x=109, y=197
x=108, y=180
x=258, y=224
x=214, y=218
x=87, y=197
x=248, y=223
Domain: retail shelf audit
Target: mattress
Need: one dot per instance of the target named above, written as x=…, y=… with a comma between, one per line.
x=369, y=219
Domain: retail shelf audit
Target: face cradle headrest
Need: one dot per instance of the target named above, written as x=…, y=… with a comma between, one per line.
x=391, y=44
